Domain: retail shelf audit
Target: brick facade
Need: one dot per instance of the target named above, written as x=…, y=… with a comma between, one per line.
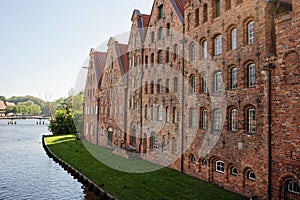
x=197, y=91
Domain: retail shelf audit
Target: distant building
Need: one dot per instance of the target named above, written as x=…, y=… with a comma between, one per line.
x=2, y=108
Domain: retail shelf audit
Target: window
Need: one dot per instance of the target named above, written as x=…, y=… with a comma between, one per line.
x=111, y=62
x=233, y=171
x=167, y=114
x=168, y=55
x=192, y=84
x=233, y=120
x=193, y=53
x=251, y=75
x=251, y=121
x=160, y=113
x=176, y=51
x=233, y=38
x=204, y=49
x=218, y=45
x=160, y=11
x=146, y=87
x=228, y=4
x=133, y=83
x=175, y=82
x=152, y=87
x=160, y=33
x=152, y=112
x=146, y=61
x=218, y=81
x=203, y=163
x=293, y=187
x=146, y=111
x=250, y=32
x=167, y=85
x=110, y=78
x=233, y=78
x=188, y=24
x=220, y=166
x=152, y=59
x=152, y=37
x=197, y=17
x=133, y=135
x=251, y=176
x=159, y=87
x=192, y=159
x=175, y=115
x=205, y=13
x=164, y=144
x=168, y=29
x=192, y=120
x=217, y=8
x=217, y=120
x=204, y=83
x=160, y=57
x=203, y=119
x=154, y=141
x=174, y=145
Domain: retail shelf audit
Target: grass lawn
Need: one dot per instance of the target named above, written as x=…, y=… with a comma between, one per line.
x=163, y=183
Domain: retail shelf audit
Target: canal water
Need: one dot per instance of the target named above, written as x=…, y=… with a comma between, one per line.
x=26, y=172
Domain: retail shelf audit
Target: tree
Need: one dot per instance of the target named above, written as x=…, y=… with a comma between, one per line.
x=62, y=122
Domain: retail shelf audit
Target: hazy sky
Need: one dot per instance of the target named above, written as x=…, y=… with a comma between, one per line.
x=43, y=44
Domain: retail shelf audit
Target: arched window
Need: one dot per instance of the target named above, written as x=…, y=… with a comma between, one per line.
x=293, y=187
x=250, y=31
x=220, y=166
x=176, y=52
x=167, y=114
x=204, y=49
x=218, y=81
x=152, y=87
x=160, y=113
x=160, y=57
x=175, y=84
x=111, y=62
x=175, y=115
x=204, y=13
x=233, y=120
x=228, y=4
x=154, y=144
x=251, y=121
x=133, y=83
x=192, y=116
x=218, y=45
x=168, y=29
x=152, y=59
x=152, y=112
x=217, y=8
x=233, y=39
x=197, y=17
x=167, y=85
x=251, y=175
x=192, y=84
x=164, y=143
x=174, y=145
x=168, y=55
x=203, y=119
x=217, y=120
x=251, y=75
x=146, y=61
x=192, y=159
x=233, y=171
x=110, y=78
x=159, y=86
x=133, y=135
x=160, y=33
x=146, y=111
x=204, y=83
x=203, y=163
x=193, y=53
x=160, y=11
x=146, y=87
x=233, y=78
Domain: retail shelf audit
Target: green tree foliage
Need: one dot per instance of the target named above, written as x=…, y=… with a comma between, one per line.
x=28, y=108
x=11, y=109
x=62, y=122
x=3, y=98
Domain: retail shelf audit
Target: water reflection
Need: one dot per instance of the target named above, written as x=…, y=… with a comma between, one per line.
x=26, y=172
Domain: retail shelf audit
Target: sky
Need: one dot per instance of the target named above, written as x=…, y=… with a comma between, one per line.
x=44, y=44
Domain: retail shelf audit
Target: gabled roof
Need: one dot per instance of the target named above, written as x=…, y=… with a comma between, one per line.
x=2, y=105
x=179, y=8
x=100, y=60
x=145, y=20
x=121, y=50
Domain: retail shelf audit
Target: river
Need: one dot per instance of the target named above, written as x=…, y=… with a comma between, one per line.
x=26, y=172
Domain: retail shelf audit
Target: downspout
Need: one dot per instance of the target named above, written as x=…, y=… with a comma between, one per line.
x=182, y=102
x=98, y=105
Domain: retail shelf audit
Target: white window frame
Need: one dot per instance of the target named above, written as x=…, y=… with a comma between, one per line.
x=193, y=53
x=293, y=187
x=204, y=83
x=193, y=85
x=250, y=177
x=204, y=49
x=218, y=45
x=217, y=120
x=234, y=42
x=218, y=81
x=251, y=75
x=204, y=119
x=251, y=34
x=167, y=114
x=233, y=78
x=251, y=121
x=233, y=119
x=160, y=113
x=220, y=166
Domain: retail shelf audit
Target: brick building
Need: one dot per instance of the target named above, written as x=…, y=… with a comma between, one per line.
x=211, y=88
